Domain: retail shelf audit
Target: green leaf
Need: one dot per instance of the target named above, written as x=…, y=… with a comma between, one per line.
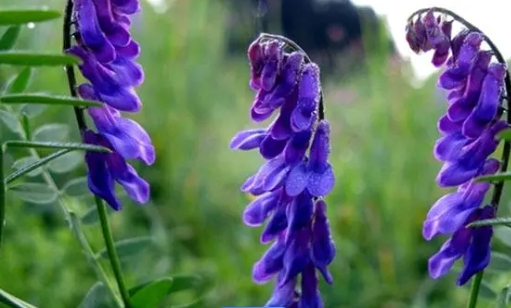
x=505, y=135
x=23, y=162
x=501, y=221
x=96, y=297
x=503, y=234
x=485, y=291
x=34, y=98
x=498, y=177
x=77, y=187
x=19, y=17
x=10, y=121
x=91, y=215
x=25, y=124
x=53, y=132
x=129, y=247
x=503, y=299
x=34, y=192
x=20, y=82
x=149, y=295
x=66, y=163
x=56, y=145
x=187, y=282
x=31, y=110
x=33, y=166
x=26, y=58
x=499, y=262
x=9, y=37
x=12, y=301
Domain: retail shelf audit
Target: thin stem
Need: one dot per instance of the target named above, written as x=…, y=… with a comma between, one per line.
x=110, y=248
x=2, y=193
x=77, y=231
x=497, y=191
x=82, y=126
x=70, y=71
x=474, y=291
x=295, y=46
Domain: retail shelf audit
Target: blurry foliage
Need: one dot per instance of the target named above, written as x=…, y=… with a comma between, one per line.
x=196, y=98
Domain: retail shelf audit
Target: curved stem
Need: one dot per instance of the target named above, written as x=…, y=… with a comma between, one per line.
x=497, y=191
x=70, y=71
x=112, y=253
x=295, y=46
x=474, y=291
x=82, y=126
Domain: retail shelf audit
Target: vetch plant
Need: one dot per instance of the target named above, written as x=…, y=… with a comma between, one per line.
x=96, y=38
x=478, y=83
x=296, y=175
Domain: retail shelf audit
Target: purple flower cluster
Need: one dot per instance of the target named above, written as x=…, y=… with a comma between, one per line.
x=290, y=184
x=475, y=87
x=108, y=54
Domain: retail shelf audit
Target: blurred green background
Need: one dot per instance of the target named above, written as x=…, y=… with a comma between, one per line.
x=195, y=98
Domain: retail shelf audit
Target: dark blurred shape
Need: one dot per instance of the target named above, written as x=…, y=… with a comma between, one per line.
x=330, y=31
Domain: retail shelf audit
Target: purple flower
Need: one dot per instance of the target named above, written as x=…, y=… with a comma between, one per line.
x=106, y=169
x=295, y=177
x=108, y=53
x=469, y=128
x=471, y=244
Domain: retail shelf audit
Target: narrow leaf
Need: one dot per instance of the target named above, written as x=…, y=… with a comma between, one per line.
x=503, y=234
x=91, y=215
x=77, y=187
x=9, y=37
x=186, y=282
x=128, y=247
x=34, y=98
x=503, y=298
x=23, y=162
x=66, y=163
x=26, y=58
x=149, y=295
x=485, y=291
x=18, y=17
x=505, y=135
x=33, y=166
x=10, y=121
x=34, y=192
x=504, y=176
x=25, y=124
x=499, y=262
x=12, y=301
x=96, y=297
x=54, y=132
x=56, y=145
x=501, y=221
x=20, y=82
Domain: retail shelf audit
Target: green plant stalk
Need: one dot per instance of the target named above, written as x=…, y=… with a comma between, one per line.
x=76, y=228
x=110, y=248
x=77, y=231
x=12, y=301
x=474, y=290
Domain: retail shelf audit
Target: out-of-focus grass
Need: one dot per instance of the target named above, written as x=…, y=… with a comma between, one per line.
x=196, y=98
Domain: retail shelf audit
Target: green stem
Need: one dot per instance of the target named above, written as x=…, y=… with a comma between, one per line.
x=2, y=193
x=76, y=228
x=12, y=301
x=112, y=253
x=474, y=291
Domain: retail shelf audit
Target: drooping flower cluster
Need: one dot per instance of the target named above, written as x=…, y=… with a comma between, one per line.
x=290, y=184
x=108, y=53
x=475, y=86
